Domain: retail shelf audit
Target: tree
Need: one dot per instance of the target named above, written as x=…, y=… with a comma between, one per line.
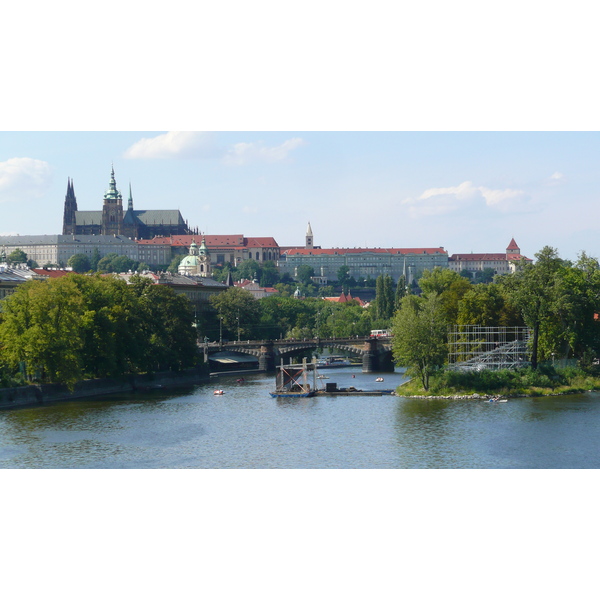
x=384, y=299
x=400, y=291
x=174, y=265
x=17, y=257
x=239, y=310
x=94, y=259
x=449, y=286
x=80, y=263
x=305, y=272
x=536, y=289
x=485, y=276
x=249, y=269
x=420, y=336
x=41, y=328
x=343, y=276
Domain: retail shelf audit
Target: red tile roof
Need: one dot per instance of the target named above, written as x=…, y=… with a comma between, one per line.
x=214, y=241
x=53, y=273
x=342, y=251
x=512, y=245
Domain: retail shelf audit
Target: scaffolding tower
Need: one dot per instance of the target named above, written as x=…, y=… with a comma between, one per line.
x=475, y=348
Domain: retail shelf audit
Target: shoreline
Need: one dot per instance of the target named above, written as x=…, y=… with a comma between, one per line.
x=45, y=394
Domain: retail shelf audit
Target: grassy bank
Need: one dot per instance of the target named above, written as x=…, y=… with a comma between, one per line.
x=524, y=382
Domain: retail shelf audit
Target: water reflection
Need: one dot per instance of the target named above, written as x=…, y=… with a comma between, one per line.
x=246, y=428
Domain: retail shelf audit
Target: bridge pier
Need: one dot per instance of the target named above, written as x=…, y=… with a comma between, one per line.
x=266, y=358
x=375, y=360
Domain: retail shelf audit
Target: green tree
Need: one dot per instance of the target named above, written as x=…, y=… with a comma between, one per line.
x=536, y=289
x=239, y=310
x=485, y=276
x=17, y=257
x=400, y=291
x=174, y=265
x=41, y=328
x=420, y=336
x=269, y=274
x=384, y=299
x=305, y=272
x=249, y=269
x=80, y=263
x=343, y=276
x=94, y=259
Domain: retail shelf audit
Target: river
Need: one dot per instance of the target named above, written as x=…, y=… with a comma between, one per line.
x=246, y=428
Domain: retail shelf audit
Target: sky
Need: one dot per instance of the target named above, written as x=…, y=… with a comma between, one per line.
x=464, y=191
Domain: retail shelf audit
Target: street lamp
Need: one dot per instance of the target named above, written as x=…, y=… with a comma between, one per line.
x=220, y=330
x=238, y=321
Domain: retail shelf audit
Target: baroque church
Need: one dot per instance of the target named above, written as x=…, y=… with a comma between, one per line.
x=113, y=220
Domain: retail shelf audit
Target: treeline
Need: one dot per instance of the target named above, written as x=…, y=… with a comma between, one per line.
x=77, y=327
x=557, y=299
x=237, y=312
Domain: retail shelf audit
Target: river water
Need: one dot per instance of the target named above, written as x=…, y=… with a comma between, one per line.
x=246, y=428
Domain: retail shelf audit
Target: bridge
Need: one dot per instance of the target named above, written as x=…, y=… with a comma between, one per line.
x=375, y=353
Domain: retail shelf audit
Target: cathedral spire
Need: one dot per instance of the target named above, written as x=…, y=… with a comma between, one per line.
x=70, y=209
x=130, y=201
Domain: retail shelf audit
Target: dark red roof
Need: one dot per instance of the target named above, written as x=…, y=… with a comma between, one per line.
x=512, y=245
x=342, y=251
x=54, y=273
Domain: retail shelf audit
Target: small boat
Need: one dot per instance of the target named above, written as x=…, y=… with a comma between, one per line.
x=379, y=379
x=322, y=377
x=496, y=399
x=218, y=392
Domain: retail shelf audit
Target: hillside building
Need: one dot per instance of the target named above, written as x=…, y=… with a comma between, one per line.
x=500, y=262
x=113, y=219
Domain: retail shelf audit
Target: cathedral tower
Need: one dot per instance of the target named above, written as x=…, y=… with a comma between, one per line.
x=112, y=211
x=69, y=221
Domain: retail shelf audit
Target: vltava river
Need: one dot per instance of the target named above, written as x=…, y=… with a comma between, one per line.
x=246, y=428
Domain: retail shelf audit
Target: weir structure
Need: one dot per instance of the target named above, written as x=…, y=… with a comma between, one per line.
x=375, y=353
x=475, y=348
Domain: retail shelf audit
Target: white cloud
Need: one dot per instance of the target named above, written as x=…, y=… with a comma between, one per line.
x=557, y=178
x=175, y=144
x=23, y=179
x=439, y=201
x=243, y=153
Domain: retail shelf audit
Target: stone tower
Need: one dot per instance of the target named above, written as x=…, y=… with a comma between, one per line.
x=112, y=211
x=309, y=237
x=70, y=209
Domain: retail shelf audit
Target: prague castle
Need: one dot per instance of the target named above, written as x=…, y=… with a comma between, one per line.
x=114, y=220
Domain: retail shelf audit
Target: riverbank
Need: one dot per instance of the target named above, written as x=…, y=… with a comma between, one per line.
x=482, y=385
x=32, y=395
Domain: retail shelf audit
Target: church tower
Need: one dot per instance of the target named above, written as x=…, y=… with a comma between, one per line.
x=69, y=221
x=309, y=237
x=112, y=211
x=130, y=228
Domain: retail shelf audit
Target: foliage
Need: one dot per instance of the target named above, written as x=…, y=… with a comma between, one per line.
x=538, y=291
x=80, y=263
x=384, y=300
x=531, y=382
x=174, y=264
x=449, y=286
x=16, y=257
x=239, y=310
x=420, y=332
x=304, y=274
x=63, y=330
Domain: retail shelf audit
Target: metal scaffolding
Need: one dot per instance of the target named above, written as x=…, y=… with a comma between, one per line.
x=475, y=348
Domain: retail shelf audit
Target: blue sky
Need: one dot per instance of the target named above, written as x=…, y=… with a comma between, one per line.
x=469, y=191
